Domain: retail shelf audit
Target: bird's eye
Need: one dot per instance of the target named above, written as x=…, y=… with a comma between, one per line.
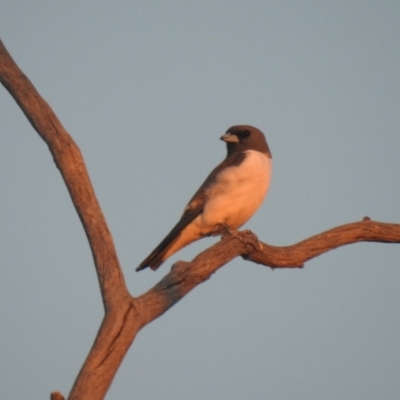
x=246, y=134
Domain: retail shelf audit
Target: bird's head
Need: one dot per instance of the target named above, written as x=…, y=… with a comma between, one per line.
x=240, y=138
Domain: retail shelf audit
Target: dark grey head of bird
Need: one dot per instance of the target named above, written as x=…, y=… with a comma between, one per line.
x=240, y=138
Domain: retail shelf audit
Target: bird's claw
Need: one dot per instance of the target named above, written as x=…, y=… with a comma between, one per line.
x=226, y=231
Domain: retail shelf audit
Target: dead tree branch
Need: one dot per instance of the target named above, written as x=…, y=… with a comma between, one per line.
x=124, y=314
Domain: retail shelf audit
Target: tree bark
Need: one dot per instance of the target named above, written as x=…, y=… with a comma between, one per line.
x=125, y=315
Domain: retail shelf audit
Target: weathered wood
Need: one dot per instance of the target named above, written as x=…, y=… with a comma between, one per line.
x=125, y=315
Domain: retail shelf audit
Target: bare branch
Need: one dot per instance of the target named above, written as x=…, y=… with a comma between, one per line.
x=297, y=254
x=186, y=276
x=69, y=161
x=56, y=396
x=119, y=325
x=124, y=314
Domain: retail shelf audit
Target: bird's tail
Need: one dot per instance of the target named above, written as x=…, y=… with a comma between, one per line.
x=180, y=236
x=155, y=259
x=173, y=242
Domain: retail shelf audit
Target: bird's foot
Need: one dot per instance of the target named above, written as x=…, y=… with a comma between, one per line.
x=226, y=231
x=247, y=237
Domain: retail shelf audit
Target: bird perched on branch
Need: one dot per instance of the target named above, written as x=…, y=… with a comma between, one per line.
x=227, y=199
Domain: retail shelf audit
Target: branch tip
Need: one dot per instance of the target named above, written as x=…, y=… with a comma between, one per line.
x=56, y=396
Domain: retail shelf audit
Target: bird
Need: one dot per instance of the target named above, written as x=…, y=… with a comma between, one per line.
x=230, y=195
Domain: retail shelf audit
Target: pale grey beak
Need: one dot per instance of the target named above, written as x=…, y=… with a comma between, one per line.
x=229, y=138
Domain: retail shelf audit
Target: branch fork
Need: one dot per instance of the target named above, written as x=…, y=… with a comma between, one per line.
x=125, y=315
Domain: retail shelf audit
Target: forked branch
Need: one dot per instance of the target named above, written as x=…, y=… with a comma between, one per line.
x=126, y=315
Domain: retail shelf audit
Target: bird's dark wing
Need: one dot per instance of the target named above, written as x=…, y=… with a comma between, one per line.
x=192, y=210
x=200, y=196
x=155, y=259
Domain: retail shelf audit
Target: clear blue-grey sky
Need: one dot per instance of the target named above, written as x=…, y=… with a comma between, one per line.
x=146, y=89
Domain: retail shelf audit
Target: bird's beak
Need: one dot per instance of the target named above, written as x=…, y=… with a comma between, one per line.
x=229, y=138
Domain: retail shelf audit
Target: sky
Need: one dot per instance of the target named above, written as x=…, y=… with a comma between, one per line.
x=146, y=89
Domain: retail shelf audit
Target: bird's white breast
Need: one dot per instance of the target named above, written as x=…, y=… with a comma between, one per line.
x=238, y=192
